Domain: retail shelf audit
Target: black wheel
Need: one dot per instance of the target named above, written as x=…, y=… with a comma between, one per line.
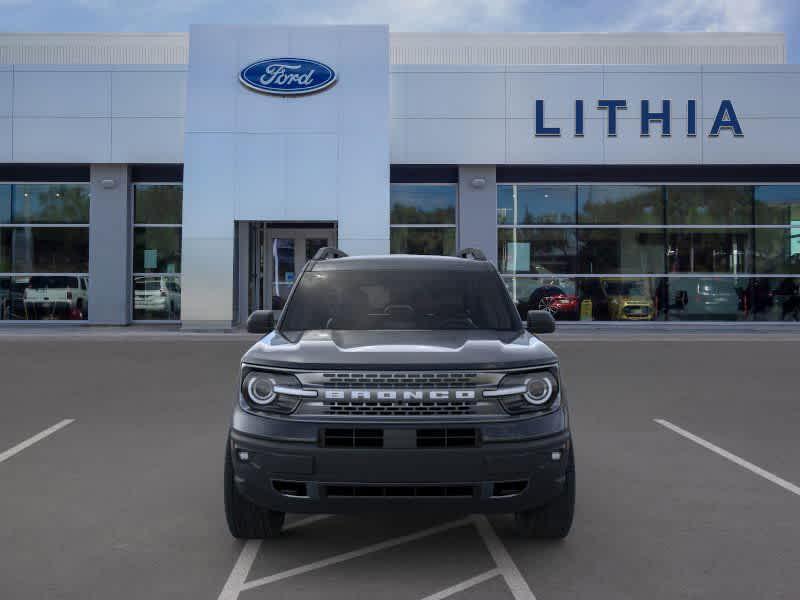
x=554, y=519
x=245, y=519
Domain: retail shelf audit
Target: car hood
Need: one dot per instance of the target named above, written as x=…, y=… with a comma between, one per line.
x=448, y=349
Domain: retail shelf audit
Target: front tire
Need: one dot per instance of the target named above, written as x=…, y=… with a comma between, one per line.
x=245, y=519
x=553, y=520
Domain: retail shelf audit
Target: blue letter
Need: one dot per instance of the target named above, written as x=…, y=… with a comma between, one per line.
x=612, y=106
x=541, y=130
x=578, y=118
x=691, y=118
x=731, y=122
x=663, y=116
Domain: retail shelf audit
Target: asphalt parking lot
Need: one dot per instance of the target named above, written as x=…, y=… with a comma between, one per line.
x=121, y=494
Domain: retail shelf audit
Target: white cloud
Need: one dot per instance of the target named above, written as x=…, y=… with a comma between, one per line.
x=416, y=15
x=705, y=15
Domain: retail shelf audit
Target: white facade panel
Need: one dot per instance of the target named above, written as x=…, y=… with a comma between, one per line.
x=524, y=148
x=753, y=94
x=765, y=141
x=363, y=193
x=65, y=93
x=209, y=179
x=210, y=93
x=6, y=91
x=454, y=95
x=254, y=196
x=148, y=93
x=311, y=177
x=147, y=140
x=76, y=140
x=454, y=141
x=5, y=139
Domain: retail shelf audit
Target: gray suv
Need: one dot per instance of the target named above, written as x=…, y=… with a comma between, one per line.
x=399, y=382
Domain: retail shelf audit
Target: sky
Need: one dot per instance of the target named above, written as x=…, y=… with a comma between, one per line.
x=414, y=15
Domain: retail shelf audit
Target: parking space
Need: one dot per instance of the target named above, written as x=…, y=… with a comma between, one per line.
x=126, y=500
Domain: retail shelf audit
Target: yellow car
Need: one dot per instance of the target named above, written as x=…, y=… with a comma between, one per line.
x=628, y=299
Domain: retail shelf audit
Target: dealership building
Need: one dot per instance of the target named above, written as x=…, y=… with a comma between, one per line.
x=186, y=178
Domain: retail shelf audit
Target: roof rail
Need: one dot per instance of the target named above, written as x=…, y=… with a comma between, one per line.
x=471, y=253
x=327, y=252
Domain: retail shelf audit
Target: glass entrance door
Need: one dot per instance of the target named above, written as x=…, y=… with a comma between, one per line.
x=278, y=255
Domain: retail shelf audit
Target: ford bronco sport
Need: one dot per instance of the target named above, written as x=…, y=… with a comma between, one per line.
x=399, y=382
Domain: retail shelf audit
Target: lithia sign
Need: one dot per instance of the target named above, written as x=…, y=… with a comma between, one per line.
x=726, y=119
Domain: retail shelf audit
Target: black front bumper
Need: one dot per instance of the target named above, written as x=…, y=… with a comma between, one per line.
x=517, y=465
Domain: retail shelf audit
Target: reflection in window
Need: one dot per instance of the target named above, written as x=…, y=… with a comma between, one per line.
x=44, y=265
x=709, y=205
x=778, y=250
x=620, y=204
x=421, y=240
x=535, y=204
x=423, y=218
x=621, y=250
x=709, y=251
x=777, y=205
x=157, y=213
x=537, y=251
x=156, y=297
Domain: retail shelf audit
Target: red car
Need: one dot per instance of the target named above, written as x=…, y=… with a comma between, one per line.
x=554, y=300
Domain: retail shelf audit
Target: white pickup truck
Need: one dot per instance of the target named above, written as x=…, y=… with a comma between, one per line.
x=56, y=297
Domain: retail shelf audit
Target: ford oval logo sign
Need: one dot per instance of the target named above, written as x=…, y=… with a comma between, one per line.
x=287, y=76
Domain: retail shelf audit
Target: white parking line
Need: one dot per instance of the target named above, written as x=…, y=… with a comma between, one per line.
x=731, y=457
x=33, y=439
x=326, y=562
x=464, y=585
x=247, y=557
x=505, y=564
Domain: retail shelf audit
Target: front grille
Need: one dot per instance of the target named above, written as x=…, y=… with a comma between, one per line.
x=352, y=438
x=399, y=380
x=447, y=438
x=399, y=491
x=399, y=408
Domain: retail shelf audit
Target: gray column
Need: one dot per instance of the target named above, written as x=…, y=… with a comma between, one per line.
x=477, y=209
x=243, y=240
x=109, y=246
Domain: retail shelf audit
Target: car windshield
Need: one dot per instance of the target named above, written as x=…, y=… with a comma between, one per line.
x=400, y=300
x=626, y=288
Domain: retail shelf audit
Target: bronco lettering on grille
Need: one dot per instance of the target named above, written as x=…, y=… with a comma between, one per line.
x=398, y=395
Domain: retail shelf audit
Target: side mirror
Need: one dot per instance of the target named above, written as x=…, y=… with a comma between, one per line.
x=262, y=321
x=541, y=321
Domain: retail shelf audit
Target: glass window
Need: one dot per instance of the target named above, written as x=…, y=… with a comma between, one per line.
x=156, y=297
x=709, y=205
x=778, y=250
x=400, y=300
x=423, y=240
x=621, y=251
x=710, y=251
x=708, y=299
x=777, y=205
x=620, y=204
x=536, y=251
x=44, y=204
x=622, y=298
x=423, y=204
x=157, y=251
x=158, y=204
x=44, y=249
x=774, y=299
x=553, y=294
x=536, y=204
x=413, y=205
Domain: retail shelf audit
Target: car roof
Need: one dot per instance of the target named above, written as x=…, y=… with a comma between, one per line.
x=400, y=262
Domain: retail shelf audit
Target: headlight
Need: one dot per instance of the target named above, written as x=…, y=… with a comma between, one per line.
x=527, y=392
x=260, y=388
x=539, y=388
x=272, y=392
